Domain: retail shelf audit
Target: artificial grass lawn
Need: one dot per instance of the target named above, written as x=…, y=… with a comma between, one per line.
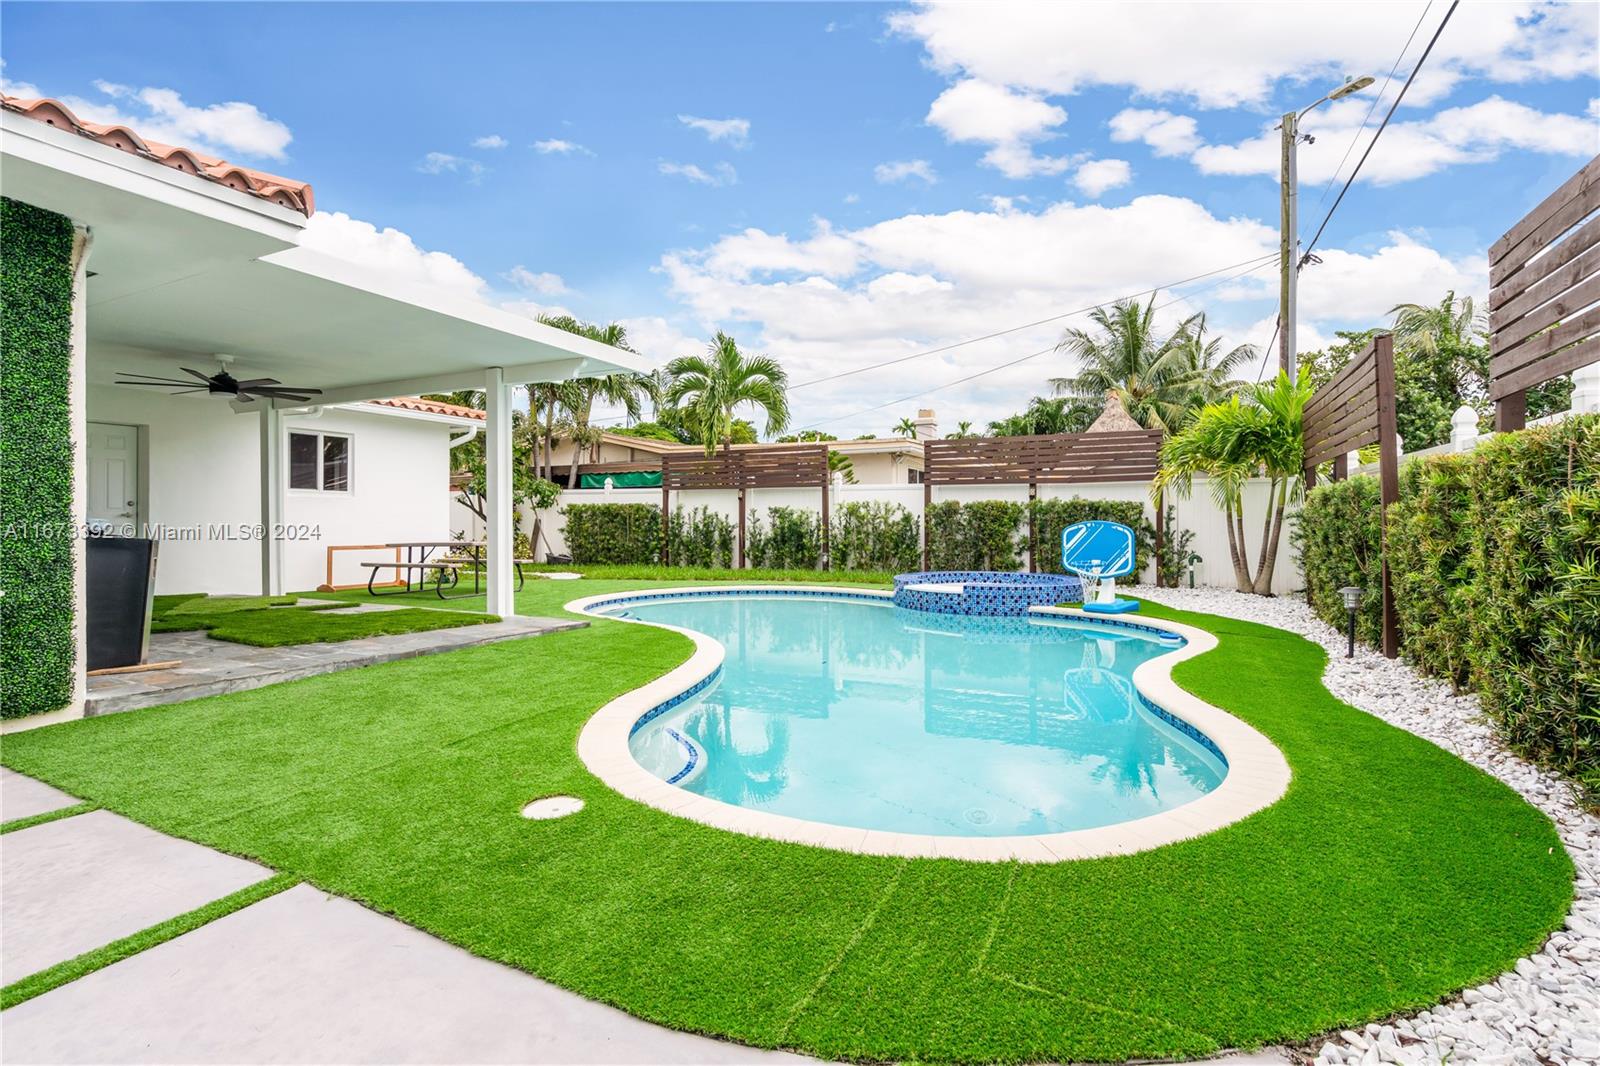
x=269, y=621
x=1391, y=873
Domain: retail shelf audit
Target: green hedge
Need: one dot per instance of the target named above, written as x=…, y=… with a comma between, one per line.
x=613, y=532
x=1496, y=563
x=1050, y=517
x=37, y=649
x=789, y=539
x=700, y=537
x=872, y=535
x=980, y=535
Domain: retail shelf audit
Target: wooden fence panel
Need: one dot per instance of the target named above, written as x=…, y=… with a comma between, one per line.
x=1544, y=309
x=1353, y=409
x=799, y=466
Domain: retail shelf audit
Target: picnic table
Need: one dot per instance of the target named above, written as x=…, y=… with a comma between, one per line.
x=417, y=564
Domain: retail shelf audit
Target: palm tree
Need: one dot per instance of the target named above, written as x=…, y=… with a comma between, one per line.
x=1233, y=441
x=1451, y=324
x=712, y=386
x=905, y=428
x=963, y=431
x=1124, y=356
x=1206, y=372
x=578, y=396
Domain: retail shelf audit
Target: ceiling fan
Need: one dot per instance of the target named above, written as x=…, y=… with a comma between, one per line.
x=221, y=383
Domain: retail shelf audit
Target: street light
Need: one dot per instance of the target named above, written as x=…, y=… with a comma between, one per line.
x=1352, y=600
x=1289, y=217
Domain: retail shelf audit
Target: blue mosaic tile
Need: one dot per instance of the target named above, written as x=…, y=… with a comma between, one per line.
x=984, y=592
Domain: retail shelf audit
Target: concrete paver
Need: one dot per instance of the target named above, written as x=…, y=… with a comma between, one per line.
x=306, y=977
x=23, y=797
x=79, y=883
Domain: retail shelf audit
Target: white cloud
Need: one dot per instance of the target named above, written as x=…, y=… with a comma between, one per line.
x=235, y=128
x=721, y=174
x=390, y=253
x=445, y=163
x=23, y=89
x=837, y=299
x=544, y=283
x=1165, y=133
x=852, y=198
x=736, y=131
x=1478, y=133
x=557, y=146
x=1099, y=176
x=1228, y=54
x=493, y=140
x=974, y=111
x=888, y=173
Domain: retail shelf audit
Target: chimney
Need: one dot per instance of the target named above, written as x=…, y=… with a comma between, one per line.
x=927, y=428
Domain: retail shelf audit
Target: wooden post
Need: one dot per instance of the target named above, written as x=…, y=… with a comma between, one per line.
x=1511, y=412
x=927, y=503
x=827, y=563
x=1161, y=520
x=666, y=527
x=1388, y=478
x=1341, y=466
x=1033, y=534
x=741, y=563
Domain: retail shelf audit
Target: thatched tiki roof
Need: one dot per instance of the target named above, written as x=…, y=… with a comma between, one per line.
x=1115, y=418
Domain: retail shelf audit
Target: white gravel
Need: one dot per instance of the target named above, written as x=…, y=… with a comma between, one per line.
x=1547, y=1010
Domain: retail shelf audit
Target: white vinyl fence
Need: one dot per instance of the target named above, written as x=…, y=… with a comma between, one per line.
x=1197, y=513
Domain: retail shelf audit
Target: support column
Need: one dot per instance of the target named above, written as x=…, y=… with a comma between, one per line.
x=271, y=438
x=498, y=508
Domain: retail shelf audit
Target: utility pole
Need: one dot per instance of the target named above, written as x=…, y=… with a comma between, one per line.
x=1288, y=244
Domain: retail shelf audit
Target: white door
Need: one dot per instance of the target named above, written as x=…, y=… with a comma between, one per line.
x=114, y=476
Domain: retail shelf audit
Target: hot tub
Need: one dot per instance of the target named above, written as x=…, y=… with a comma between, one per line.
x=984, y=592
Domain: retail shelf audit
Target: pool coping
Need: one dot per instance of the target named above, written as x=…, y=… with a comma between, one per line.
x=1258, y=775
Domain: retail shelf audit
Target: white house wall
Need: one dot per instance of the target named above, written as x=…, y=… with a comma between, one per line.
x=201, y=488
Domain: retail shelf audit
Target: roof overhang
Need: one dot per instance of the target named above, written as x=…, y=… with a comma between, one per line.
x=184, y=269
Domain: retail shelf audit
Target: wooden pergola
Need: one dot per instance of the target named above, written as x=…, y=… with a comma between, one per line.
x=789, y=467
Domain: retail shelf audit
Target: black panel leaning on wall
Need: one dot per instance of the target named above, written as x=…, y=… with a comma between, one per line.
x=36, y=536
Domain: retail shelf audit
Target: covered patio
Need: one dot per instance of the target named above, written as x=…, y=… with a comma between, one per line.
x=180, y=260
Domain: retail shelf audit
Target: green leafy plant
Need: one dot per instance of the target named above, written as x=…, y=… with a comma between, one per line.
x=613, y=532
x=709, y=388
x=874, y=535
x=981, y=535
x=37, y=648
x=1050, y=517
x=1495, y=562
x=700, y=537
x=790, y=539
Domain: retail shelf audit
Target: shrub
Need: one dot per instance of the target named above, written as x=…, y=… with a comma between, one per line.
x=37, y=648
x=871, y=535
x=613, y=532
x=1338, y=542
x=794, y=541
x=1050, y=517
x=700, y=537
x=1495, y=557
x=982, y=535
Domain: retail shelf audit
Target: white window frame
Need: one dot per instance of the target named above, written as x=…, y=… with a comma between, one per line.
x=320, y=435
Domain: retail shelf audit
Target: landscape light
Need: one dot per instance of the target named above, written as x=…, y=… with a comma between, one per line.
x=1352, y=600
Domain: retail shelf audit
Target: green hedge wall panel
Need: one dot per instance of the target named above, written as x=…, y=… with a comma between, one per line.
x=36, y=550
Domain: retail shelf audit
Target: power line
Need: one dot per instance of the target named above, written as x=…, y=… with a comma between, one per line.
x=1029, y=325
x=1277, y=324
x=1376, y=100
x=1015, y=362
x=1381, y=127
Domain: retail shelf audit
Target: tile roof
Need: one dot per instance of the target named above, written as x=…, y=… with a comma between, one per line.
x=431, y=407
x=285, y=192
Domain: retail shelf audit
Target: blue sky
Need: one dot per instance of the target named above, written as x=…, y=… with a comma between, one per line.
x=843, y=184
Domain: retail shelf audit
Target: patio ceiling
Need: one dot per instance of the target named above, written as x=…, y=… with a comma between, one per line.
x=184, y=269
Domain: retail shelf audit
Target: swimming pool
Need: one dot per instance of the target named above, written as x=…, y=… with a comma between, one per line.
x=845, y=711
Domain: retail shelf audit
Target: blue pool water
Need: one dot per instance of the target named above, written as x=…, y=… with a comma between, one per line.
x=863, y=714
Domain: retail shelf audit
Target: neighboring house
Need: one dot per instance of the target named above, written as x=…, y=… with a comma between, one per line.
x=125, y=256
x=884, y=461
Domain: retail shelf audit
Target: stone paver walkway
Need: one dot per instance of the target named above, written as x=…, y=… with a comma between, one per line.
x=210, y=667
x=23, y=797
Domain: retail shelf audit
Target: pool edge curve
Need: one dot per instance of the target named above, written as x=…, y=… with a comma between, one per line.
x=1258, y=775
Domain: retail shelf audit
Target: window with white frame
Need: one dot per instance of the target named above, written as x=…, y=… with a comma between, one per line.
x=319, y=462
